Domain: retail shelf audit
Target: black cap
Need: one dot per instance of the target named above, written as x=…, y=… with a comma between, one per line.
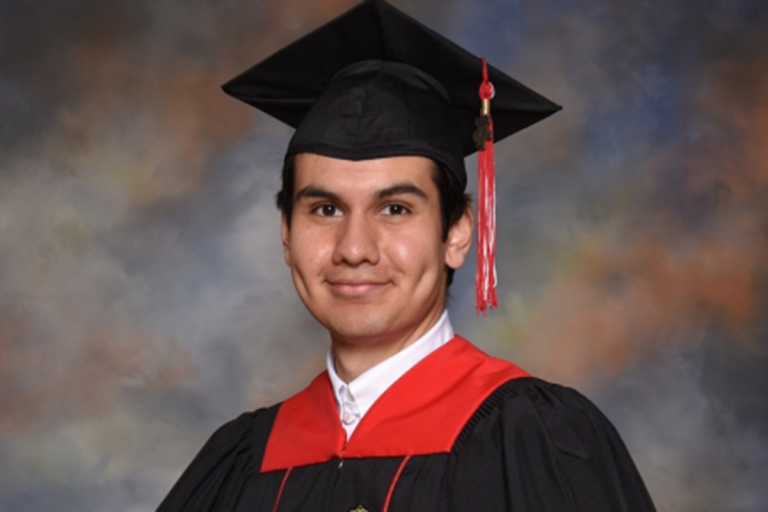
x=374, y=83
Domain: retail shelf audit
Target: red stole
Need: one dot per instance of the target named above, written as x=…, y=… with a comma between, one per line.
x=422, y=413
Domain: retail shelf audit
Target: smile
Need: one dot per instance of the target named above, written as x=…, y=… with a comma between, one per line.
x=356, y=288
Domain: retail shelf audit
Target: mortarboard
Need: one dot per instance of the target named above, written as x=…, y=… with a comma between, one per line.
x=375, y=83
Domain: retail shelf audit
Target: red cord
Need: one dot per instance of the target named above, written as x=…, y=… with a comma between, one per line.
x=394, y=483
x=282, y=486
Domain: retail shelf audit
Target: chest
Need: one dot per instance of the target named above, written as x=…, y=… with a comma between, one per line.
x=387, y=484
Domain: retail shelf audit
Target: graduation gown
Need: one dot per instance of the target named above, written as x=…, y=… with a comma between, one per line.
x=460, y=431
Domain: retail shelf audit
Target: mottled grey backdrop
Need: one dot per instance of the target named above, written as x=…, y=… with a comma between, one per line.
x=143, y=298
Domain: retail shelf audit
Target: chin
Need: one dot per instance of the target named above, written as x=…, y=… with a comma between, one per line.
x=350, y=324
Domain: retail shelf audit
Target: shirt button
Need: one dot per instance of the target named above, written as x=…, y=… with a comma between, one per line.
x=346, y=417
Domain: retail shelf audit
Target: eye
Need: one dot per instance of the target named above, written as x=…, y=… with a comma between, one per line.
x=395, y=209
x=327, y=210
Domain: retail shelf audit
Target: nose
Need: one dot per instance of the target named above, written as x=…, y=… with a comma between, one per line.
x=357, y=242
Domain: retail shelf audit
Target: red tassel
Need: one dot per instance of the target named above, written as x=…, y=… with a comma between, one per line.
x=485, y=280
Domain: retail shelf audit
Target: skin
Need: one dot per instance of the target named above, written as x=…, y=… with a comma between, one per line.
x=366, y=253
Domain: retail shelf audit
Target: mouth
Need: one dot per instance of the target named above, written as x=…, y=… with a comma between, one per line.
x=356, y=288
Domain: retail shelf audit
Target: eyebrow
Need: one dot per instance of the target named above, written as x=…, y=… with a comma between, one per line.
x=399, y=189
x=312, y=191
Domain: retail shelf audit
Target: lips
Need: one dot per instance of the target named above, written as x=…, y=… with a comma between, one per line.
x=356, y=287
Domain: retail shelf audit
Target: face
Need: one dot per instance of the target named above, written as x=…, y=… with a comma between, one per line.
x=365, y=247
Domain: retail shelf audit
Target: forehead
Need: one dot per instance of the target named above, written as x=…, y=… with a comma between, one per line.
x=360, y=175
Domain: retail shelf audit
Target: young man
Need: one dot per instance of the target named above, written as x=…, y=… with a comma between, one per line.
x=408, y=416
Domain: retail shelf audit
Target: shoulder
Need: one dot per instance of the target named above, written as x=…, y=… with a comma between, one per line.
x=243, y=429
x=529, y=404
x=552, y=448
x=519, y=400
x=220, y=470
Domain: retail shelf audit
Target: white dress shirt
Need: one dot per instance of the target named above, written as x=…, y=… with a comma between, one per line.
x=355, y=398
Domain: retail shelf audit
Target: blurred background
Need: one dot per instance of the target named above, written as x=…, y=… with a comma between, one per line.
x=143, y=296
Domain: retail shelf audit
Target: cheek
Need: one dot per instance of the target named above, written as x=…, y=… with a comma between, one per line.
x=414, y=252
x=311, y=249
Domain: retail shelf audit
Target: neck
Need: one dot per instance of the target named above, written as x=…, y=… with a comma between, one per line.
x=352, y=358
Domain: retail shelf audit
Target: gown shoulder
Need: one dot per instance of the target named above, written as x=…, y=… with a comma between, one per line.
x=533, y=445
x=218, y=474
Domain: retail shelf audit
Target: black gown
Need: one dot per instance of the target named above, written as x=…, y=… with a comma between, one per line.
x=460, y=431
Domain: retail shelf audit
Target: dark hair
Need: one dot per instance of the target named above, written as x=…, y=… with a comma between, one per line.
x=453, y=201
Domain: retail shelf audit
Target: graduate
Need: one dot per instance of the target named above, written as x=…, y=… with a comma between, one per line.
x=408, y=416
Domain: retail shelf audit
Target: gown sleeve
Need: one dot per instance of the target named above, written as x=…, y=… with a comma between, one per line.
x=540, y=447
x=215, y=479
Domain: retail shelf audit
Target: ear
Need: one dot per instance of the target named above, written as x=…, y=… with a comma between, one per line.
x=459, y=240
x=285, y=235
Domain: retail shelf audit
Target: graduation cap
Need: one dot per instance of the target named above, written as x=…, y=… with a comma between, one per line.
x=376, y=83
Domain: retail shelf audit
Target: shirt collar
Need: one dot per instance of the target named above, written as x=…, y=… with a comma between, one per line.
x=371, y=384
